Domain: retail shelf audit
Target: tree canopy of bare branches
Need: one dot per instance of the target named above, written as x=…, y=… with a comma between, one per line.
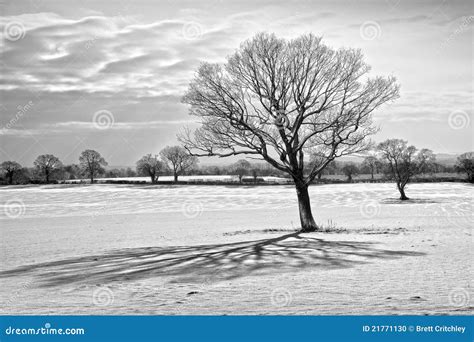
x=282, y=100
x=404, y=162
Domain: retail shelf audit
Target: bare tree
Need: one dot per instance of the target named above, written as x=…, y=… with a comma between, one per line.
x=254, y=171
x=350, y=170
x=281, y=101
x=404, y=162
x=151, y=166
x=241, y=168
x=10, y=168
x=465, y=164
x=178, y=159
x=372, y=164
x=92, y=164
x=47, y=164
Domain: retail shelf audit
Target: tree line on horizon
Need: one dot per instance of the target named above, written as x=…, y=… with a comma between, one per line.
x=176, y=161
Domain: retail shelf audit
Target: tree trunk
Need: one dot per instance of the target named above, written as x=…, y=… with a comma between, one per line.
x=92, y=178
x=176, y=177
x=372, y=175
x=401, y=188
x=47, y=177
x=306, y=217
x=10, y=178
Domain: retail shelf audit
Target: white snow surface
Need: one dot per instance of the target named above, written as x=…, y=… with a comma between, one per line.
x=197, y=249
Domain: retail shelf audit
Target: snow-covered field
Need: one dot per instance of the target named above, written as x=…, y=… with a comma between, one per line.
x=132, y=249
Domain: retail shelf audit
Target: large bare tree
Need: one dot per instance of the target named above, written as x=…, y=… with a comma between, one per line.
x=404, y=161
x=282, y=100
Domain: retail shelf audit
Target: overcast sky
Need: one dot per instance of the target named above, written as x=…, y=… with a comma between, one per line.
x=109, y=75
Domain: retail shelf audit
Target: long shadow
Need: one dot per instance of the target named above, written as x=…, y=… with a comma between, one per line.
x=204, y=263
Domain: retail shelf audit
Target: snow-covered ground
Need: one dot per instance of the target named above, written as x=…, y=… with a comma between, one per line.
x=132, y=249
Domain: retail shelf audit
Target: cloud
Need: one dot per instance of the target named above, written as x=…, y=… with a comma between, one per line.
x=137, y=62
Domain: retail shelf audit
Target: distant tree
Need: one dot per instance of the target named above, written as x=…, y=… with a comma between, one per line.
x=254, y=171
x=92, y=164
x=23, y=176
x=150, y=166
x=72, y=171
x=129, y=172
x=10, y=168
x=46, y=165
x=113, y=173
x=281, y=100
x=404, y=162
x=465, y=164
x=372, y=164
x=178, y=160
x=241, y=168
x=350, y=170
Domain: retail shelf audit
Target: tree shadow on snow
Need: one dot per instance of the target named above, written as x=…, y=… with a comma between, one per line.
x=207, y=263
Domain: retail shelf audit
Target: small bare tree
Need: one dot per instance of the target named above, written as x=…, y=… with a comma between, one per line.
x=178, y=159
x=46, y=165
x=10, y=168
x=350, y=170
x=404, y=162
x=281, y=101
x=372, y=164
x=151, y=166
x=92, y=164
x=241, y=168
